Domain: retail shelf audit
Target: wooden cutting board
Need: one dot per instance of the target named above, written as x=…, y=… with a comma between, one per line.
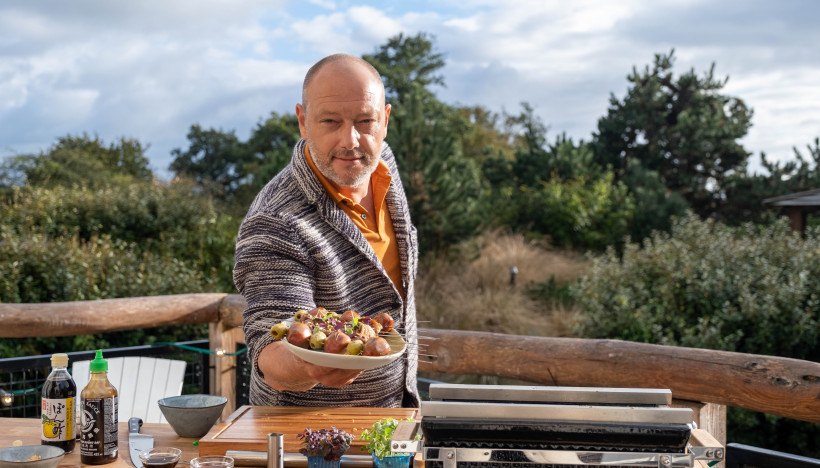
x=248, y=427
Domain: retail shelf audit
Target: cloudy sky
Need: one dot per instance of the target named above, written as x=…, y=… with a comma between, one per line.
x=149, y=69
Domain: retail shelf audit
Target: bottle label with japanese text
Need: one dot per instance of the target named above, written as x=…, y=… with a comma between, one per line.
x=98, y=437
x=58, y=419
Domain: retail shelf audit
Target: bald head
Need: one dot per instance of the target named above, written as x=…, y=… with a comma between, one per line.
x=343, y=118
x=340, y=61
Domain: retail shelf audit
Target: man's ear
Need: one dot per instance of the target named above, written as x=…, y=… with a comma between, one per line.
x=387, y=109
x=300, y=117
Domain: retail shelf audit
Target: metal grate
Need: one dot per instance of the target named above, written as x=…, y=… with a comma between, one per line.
x=29, y=381
x=438, y=464
x=24, y=376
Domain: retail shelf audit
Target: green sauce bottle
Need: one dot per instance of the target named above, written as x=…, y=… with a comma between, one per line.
x=98, y=436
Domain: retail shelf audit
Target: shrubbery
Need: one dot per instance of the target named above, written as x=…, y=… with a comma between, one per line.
x=168, y=220
x=578, y=213
x=129, y=240
x=753, y=289
x=41, y=269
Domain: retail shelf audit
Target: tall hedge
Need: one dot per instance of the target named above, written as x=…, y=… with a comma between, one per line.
x=752, y=289
x=122, y=240
x=165, y=219
x=35, y=268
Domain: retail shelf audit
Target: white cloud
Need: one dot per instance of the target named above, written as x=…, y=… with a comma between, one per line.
x=470, y=24
x=356, y=30
x=773, y=97
x=372, y=24
x=152, y=68
x=141, y=69
x=565, y=58
x=13, y=92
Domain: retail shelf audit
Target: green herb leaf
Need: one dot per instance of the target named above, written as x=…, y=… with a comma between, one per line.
x=378, y=437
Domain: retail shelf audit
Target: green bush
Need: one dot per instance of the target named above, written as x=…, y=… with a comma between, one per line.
x=579, y=213
x=119, y=240
x=36, y=268
x=752, y=289
x=167, y=219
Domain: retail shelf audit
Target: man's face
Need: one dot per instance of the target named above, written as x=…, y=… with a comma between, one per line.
x=345, y=123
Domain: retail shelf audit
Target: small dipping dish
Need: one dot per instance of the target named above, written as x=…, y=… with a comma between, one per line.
x=160, y=457
x=31, y=456
x=212, y=462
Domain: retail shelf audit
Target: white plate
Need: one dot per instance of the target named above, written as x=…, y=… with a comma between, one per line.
x=345, y=361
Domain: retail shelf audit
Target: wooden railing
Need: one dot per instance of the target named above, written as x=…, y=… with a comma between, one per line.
x=774, y=385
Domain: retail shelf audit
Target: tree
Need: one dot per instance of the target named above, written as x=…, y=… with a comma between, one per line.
x=128, y=239
x=408, y=64
x=444, y=188
x=746, y=192
x=270, y=148
x=81, y=161
x=538, y=161
x=233, y=170
x=556, y=189
x=681, y=127
x=655, y=205
x=214, y=160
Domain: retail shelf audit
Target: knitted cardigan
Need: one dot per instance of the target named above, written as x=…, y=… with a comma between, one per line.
x=296, y=249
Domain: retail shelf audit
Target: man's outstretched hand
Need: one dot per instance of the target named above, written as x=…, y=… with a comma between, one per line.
x=283, y=370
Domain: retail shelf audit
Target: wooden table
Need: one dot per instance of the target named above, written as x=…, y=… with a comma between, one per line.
x=27, y=430
x=245, y=429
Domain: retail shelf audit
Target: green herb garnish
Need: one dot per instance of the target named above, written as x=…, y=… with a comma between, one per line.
x=378, y=437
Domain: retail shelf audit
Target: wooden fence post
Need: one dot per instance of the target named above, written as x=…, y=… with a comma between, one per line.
x=223, y=344
x=710, y=417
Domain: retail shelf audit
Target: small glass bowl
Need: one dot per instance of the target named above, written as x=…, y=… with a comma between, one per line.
x=160, y=457
x=212, y=462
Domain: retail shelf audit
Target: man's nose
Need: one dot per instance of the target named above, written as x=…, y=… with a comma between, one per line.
x=350, y=137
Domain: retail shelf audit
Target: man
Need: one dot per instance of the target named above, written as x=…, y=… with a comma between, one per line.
x=333, y=230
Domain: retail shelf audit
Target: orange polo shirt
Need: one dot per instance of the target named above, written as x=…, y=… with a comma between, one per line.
x=376, y=227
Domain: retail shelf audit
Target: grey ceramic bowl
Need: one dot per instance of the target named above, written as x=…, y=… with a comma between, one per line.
x=21, y=457
x=192, y=415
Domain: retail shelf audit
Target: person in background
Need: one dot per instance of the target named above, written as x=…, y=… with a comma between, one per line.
x=332, y=229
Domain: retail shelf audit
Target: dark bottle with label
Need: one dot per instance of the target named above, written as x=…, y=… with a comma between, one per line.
x=58, y=403
x=98, y=436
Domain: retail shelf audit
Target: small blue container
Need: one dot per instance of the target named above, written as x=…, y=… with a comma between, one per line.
x=395, y=461
x=320, y=462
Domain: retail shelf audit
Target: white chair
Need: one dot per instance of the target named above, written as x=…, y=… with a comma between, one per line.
x=140, y=382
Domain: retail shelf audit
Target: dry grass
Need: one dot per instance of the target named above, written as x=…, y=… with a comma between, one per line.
x=473, y=292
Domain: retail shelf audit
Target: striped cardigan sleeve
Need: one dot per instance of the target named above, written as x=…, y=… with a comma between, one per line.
x=273, y=272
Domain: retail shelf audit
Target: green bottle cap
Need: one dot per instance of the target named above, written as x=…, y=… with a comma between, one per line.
x=98, y=364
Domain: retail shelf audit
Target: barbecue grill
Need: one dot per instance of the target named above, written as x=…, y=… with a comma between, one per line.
x=512, y=426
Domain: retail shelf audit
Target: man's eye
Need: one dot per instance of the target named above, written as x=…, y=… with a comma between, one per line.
x=367, y=121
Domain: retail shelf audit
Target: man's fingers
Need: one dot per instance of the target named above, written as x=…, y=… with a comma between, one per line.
x=331, y=377
x=337, y=380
